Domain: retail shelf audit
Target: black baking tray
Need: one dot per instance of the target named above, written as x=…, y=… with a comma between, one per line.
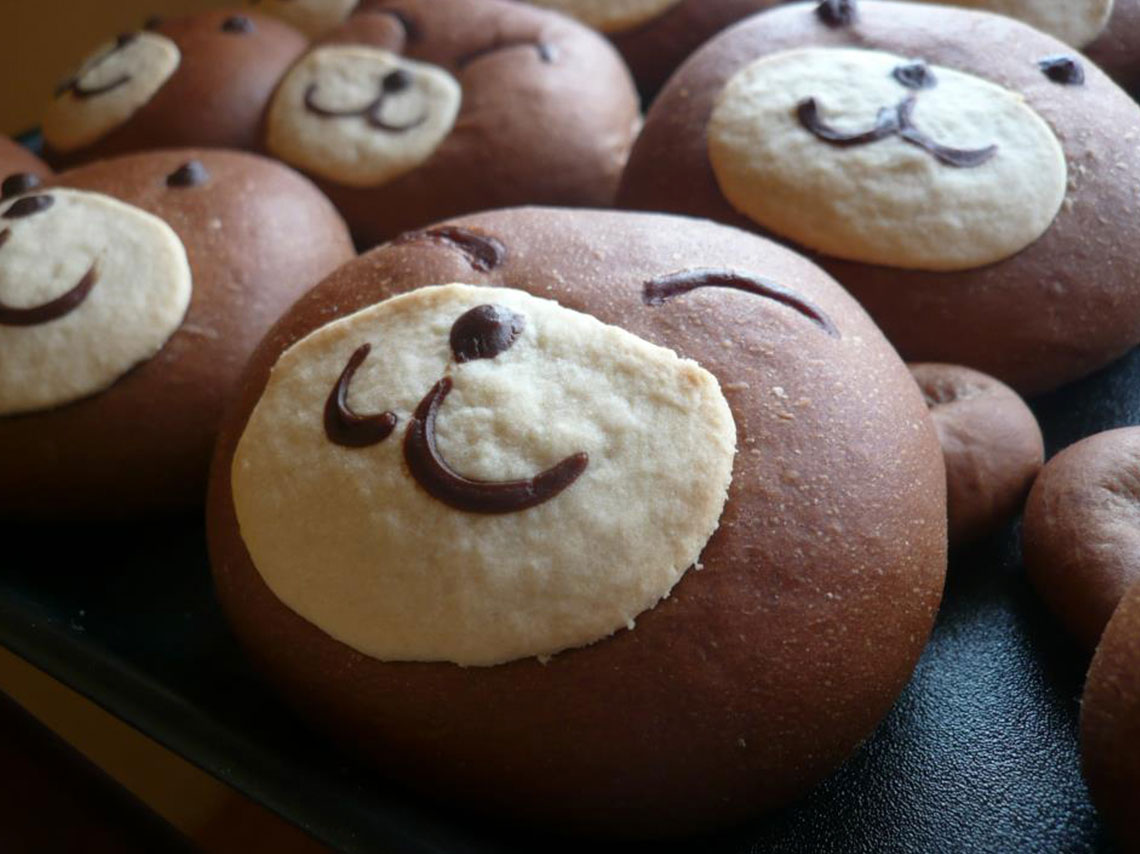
x=978, y=754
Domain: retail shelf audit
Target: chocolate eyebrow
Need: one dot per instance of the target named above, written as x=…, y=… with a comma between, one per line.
x=345, y=427
x=545, y=51
x=657, y=291
x=482, y=251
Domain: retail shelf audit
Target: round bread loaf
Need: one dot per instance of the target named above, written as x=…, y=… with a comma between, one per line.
x=414, y=111
x=656, y=36
x=1079, y=537
x=131, y=294
x=992, y=445
x=499, y=607
x=817, y=124
x=199, y=80
x=1110, y=722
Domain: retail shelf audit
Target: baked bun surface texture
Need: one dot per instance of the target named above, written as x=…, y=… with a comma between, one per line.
x=1080, y=538
x=992, y=444
x=889, y=176
x=192, y=254
x=1110, y=722
x=769, y=661
x=414, y=111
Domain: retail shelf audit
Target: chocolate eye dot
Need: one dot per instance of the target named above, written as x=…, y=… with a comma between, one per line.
x=189, y=174
x=915, y=75
x=1065, y=70
x=18, y=184
x=484, y=332
x=396, y=81
x=836, y=13
x=239, y=24
x=27, y=206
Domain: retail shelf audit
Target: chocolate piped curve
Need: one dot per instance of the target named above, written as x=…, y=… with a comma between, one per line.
x=484, y=332
x=915, y=75
x=891, y=121
x=836, y=13
x=656, y=291
x=1066, y=70
x=438, y=479
x=52, y=310
x=27, y=206
x=17, y=184
x=345, y=427
x=79, y=91
x=190, y=174
x=545, y=51
x=483, y=252
x=370, y=112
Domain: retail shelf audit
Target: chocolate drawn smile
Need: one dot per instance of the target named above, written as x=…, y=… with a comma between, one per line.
x=53, y=309
x=480, y=333
x=391, y=84
x=892, y=121
x=78, y=90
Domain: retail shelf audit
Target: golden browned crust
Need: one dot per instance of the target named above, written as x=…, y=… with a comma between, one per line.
x=257, y=236
x=1062, y=307
x=765, y=668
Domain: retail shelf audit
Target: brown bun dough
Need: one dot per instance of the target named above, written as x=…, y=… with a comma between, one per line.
x=257, y=236
x=992, y=445
x=1117, y=50
x=1110, y=723
x=15, y=159
x=1080, y=535
x=217, y=94
x=764, y=669
x=528, y=131
x=1013, y=319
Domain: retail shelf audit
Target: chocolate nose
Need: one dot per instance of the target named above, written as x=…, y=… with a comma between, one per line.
x=484, y=332
x=396, y=81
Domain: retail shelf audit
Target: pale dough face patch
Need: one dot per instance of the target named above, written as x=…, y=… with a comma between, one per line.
x=1075, y=22
x=361, y=116
x=610, y=16
x=888, y=201
x=118, y=79
x=350, y=540
x=313, y=17
x=137, y=292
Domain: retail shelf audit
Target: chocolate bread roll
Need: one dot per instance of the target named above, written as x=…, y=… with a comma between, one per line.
x=415, y=110
x=131, y=294
x=885, y=138
x=199, y=80
x=616, y=523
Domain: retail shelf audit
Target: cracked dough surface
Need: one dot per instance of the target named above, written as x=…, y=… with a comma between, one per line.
x=1075, y=22
x=138, y=300
x=887, y=202
x=347, y=539
x=348, y=149
x=73, y=122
